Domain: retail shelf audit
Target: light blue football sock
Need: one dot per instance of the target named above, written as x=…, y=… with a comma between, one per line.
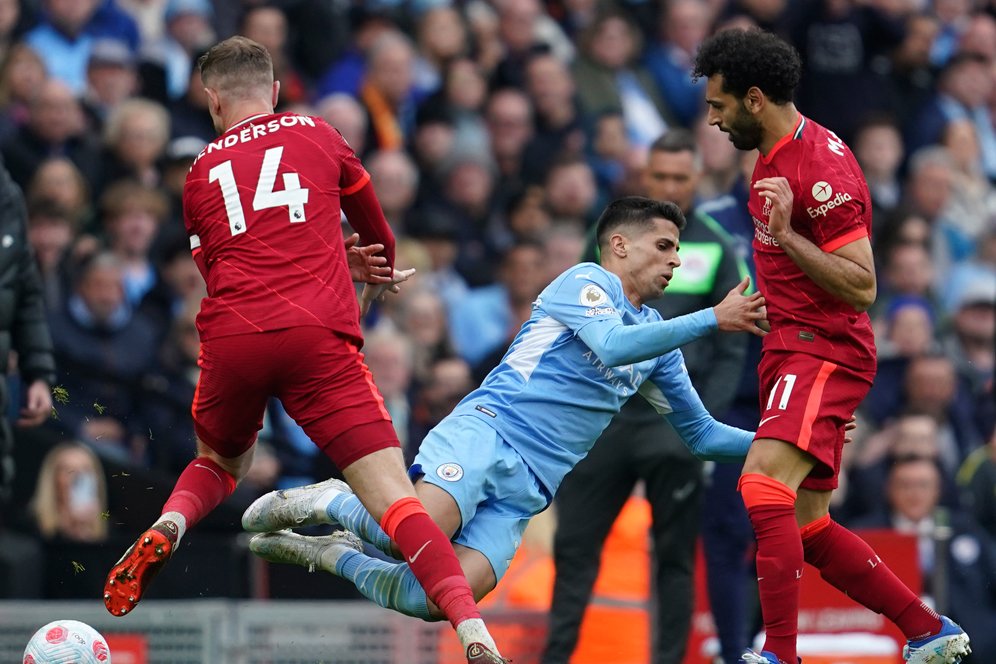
x=350, y=513
x=390, y=585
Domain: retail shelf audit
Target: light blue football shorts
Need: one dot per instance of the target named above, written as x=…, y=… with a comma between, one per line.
x=495, y=490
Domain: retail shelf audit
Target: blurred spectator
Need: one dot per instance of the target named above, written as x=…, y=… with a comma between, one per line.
x=189, y=113
x=64, y=36
x=450, y=380
x=11, y=19
x=909, y=328
x=559, y=124
x=977, y=479
x=963, y=91
x=509, y=117
x=682, y=26
x=422, y=319
x=609, y=150
x=343, y=112
x=22, y=73
x=957, y=558
x=490, y=316
x=179, y=283
x=25, y=342
x=838, y=41
x=188, y=32
x=438, y=231
x=441, y=36
x=563, y=245
x=396, y=179
x=55, y=127
x=51, y=231
x=387, y=92
x=268, y=26
x=571, y=193
x=973, y=199
x=432, y=145
x=58, y=179
x=346, y=73
x=929, y=189
x=609, y=78
x=148, y=16
x=907, y=271
x=102, y=349
x=390, y=357
x=911, y=434
x=528, y=217
x=952, y=19
x=131, y=215
x=70, y=499
x=722, y=169
x=878, y=147
x=177, y=160
x=111, y=77
x=463, y=95
x=483, y=26
x=517, y=30
x=168, y=391
x=135, y=139
x=979, y=36
x=970, y=342
x=911, y=76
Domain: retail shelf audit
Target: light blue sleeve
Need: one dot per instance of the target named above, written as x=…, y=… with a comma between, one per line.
x=670, y=391
x=588, y=300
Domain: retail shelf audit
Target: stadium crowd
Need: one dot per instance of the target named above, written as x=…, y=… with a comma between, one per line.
x=494, y=133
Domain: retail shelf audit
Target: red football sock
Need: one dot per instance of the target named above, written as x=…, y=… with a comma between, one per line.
x=771, y=509
x=851, y=566
x=430, y=555
x=201, y=487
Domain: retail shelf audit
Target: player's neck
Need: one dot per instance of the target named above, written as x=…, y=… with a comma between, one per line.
x=780, y=121
x=243, y=110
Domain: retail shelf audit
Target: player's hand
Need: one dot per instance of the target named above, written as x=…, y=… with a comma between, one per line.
x=851, y=425
x=377, y=292
x=778, y=191
x=364, y=265
x=38, y=404
x=742, y=313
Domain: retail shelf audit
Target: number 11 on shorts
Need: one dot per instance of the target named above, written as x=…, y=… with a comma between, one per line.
x=788, y=382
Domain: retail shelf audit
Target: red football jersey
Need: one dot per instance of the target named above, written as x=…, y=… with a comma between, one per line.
x=831, y=208
x=262, y=204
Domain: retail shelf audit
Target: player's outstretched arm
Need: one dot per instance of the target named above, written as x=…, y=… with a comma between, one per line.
x=709, y=439
x=847, y=273
x=372, y=292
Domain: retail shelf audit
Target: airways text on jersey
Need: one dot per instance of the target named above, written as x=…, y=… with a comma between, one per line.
x=626, y=379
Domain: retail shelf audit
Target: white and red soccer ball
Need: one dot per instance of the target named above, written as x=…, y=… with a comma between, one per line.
x=67, y=642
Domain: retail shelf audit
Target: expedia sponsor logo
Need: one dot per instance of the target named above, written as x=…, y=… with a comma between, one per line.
x=451, y=472
x=762, y=235
x=822, y=210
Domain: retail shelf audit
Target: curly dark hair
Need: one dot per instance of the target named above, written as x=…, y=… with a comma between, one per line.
x=749, y=58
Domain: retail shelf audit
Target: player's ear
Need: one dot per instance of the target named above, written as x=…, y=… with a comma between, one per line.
x=214, y=105
x=754, y=99
x=276, y=92
x=617, y=243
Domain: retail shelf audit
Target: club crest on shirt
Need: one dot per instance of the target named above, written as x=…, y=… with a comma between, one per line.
x=592, y=296
x=450, y=472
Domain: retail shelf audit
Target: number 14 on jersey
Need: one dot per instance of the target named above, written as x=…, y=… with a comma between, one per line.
x=292, y=195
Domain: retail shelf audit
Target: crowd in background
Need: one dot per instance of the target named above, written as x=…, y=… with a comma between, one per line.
x=495, y=132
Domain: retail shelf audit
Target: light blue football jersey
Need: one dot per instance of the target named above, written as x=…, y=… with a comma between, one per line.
x=553, y=394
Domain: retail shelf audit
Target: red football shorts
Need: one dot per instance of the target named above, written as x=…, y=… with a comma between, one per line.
x=806, y=401
x=318, y=376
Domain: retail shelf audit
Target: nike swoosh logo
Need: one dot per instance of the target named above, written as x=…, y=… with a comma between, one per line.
x=683, y=492
x=418, y=553
x=209, y=469
x=767, y=419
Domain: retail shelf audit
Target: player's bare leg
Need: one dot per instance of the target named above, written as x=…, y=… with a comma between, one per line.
x=382, y=485
x=201, y=487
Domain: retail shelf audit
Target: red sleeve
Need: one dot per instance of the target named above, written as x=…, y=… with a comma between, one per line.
x=195, y=240
x=365, y=215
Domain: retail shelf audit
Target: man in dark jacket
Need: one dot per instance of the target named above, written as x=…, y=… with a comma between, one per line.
x=639, y=445
x=23, y=327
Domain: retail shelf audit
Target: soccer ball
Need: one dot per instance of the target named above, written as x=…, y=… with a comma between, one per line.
x=67, y=642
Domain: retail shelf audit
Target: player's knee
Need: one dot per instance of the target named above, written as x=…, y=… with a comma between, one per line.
x=757, y=489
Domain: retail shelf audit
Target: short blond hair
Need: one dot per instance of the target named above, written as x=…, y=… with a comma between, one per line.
x=237, y=65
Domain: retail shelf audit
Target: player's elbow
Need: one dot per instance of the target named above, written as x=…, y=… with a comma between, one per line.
x=863, y=299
